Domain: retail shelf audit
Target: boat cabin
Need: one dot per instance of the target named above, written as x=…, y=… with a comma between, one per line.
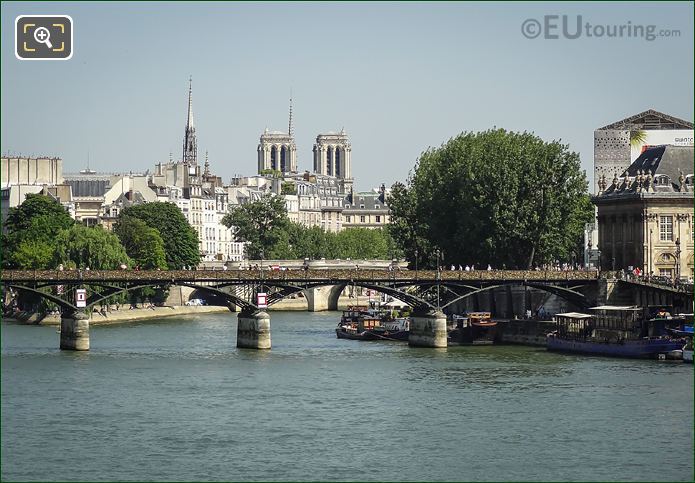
x=574, y=325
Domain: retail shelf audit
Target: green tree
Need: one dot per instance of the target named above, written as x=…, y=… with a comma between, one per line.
x=263, y=224
x=495, y=197
x=82, y=247
x=363, y=243
x=180, y=239
x=144, y=245
x=32, y=228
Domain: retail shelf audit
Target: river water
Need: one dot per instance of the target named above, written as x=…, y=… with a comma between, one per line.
x=175, y=400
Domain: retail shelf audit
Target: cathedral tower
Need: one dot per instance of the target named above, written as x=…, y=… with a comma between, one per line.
x=277, y=150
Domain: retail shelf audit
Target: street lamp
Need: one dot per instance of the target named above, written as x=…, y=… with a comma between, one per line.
x=416, y=254
x=439, y=277
x=678, y=259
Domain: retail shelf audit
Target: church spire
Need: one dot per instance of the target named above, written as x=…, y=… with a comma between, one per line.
x=190, y=148
x=189, y=121
x=290, y=129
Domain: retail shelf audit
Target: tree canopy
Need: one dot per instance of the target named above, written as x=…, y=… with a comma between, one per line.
x=32, y=228
x=180, y=239
x=96, y=248
x=271, y=235
x=144, y=245
x=263, y=224
x=504, y=198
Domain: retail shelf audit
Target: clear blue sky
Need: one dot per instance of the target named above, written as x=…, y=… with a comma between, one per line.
x=400, y=77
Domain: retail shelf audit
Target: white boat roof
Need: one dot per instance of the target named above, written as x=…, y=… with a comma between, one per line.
x=615, y=307
x=574, y=315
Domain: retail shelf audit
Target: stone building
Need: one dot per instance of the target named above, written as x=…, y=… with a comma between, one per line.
x=333, y=157
x=645, y=214
x=23, y=175
x=277, y=150
x=366, y=209
x=618, y=144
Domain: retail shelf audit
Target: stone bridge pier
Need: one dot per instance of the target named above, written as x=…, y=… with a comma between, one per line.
x=74, y=331
x=253, y=330
x=428, y=329
x=323, y=298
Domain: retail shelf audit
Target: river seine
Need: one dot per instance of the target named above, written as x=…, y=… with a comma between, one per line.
x=176, y=400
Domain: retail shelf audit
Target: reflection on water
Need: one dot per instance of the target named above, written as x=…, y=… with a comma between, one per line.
x=176, y=400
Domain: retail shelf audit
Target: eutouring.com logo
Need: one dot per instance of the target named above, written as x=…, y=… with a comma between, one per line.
x=554, y=27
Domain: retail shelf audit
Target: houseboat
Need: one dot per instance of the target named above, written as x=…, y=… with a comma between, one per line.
x=612, y=331
x=369, y=323
x=475, y=328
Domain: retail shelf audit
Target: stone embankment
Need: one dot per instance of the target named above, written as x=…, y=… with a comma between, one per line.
x=120, y=316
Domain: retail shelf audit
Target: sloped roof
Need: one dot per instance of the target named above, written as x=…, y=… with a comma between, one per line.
x=668, y=160
x=650, y=120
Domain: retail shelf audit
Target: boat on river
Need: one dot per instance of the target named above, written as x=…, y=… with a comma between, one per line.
x=613, y=331
x=368, y=323
x=475, y=328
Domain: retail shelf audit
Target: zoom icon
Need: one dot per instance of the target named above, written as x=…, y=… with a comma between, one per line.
x=43, y=37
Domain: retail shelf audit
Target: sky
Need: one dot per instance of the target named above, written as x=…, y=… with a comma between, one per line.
x=398, y=77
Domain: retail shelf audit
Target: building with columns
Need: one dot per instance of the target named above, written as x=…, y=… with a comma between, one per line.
x=277, y=151
x=332, y=157
x=645, y=214
x=617, y=146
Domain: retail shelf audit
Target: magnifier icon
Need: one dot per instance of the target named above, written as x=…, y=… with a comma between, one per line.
x=43, y=36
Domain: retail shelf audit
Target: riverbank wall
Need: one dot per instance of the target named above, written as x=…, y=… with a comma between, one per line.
x=120, y=316
x=524, y=332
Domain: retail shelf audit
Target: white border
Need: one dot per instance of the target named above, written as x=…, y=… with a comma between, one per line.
x=72, y=33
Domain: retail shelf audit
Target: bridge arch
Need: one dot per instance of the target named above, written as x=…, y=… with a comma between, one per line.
x=64, y=304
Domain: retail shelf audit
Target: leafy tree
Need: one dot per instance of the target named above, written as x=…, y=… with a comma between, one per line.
x=32, y=228
x=495, y=197
x=363, y=243
x=263, y=224
x=179, y=237
x=32, y=254
x=144, y=245
x=83, y=247
x=288, y=188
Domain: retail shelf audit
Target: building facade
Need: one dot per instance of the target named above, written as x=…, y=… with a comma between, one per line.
x=645, y=216
x=617, y=145
x=333, y=157
x=366, y=209
x=23, y=175
x=277, y=151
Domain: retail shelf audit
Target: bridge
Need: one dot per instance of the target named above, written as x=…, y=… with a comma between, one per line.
x=427, y=292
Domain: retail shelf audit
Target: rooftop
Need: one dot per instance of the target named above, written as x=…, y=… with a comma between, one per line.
x=649, y=120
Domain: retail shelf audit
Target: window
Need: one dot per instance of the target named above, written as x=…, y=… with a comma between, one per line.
x=362, y=219
x=666, y=228
x=347, y=218
x=378, y=218
x=666, y=272
x=376, y=207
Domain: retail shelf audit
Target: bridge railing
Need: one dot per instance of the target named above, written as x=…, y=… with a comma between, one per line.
x=344, y=275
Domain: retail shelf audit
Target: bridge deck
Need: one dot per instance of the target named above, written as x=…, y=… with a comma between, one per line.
x=293, y=276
